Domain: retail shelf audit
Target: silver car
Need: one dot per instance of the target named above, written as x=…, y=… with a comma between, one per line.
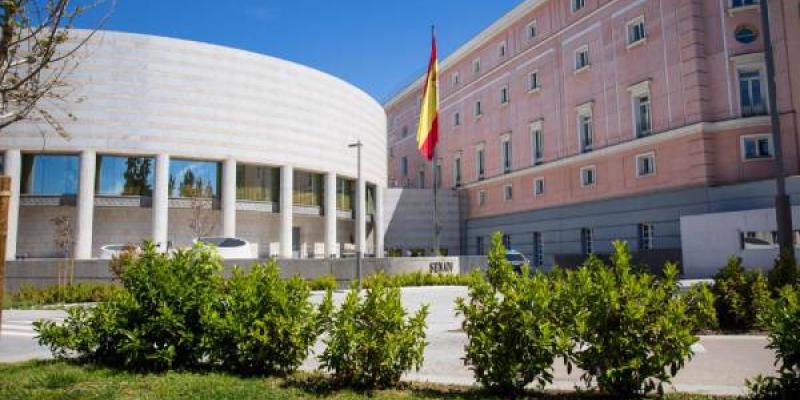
x=517, y=260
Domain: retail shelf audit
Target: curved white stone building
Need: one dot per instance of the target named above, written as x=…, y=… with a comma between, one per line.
x=176, y=139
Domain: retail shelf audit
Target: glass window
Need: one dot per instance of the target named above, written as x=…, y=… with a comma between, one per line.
x=421, y=179
x=751, y=94
x=585, y=131
x=743, y=3
x=257, y=183
x=538, y=250
x=636, y=31
x=478, y=109
x=345, y=189
x=457, y=171
x=308, y=189
x=507, y=241
x=404, y=166
x=455, y=79
x=50, y=174
x=587, y=241
x=643, y=118
x=479, y=246
x=508, y=192
x=532, y=30
x=537, y=142
x=480, y=165
x=481, y=197
x=745, y=34
x=457, y=119
x=476, y=66
x=538, y=187
x=192, y=178
x=582, y=58
x=124, y=176
x=645, y=164
x=588, y=176
x=370, y=200
x=756, y=147
x=533, y=81
x=437, y=173
x=501, y=50
x=505, y=154
x=645, y=236
x=504, y=95
x=578, y=4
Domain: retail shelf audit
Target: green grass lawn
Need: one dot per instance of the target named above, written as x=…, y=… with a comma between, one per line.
x=61, y=380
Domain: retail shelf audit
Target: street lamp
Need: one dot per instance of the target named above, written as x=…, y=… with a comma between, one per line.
x=358, y=145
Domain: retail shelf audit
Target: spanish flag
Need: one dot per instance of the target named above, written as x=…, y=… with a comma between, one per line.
x=428, y=128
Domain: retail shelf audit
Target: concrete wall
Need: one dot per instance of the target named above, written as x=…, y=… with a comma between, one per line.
x=46, y=272
x=408, y=215
x=706, y=256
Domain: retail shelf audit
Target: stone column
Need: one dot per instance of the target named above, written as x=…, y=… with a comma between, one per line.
x=330, y=215
x=361, y=216
x=83, y=239
x=286, y=206
x=379, y=227
x=13, y=168
x=229, y=198
x=161, y=202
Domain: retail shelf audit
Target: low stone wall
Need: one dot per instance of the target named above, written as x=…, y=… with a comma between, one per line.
x=46, y=272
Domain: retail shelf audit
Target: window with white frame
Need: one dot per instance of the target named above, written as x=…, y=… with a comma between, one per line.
x=533, y=81
x=481, y=197
x=456, y=118
x=538, y=250
x=641, y=104
x=645, y=236
x=538, y=186
x=480, y=163
x=508, y=192
x=502, y=49
x=752, y=92
x=588, y=176
x=646, y=164
x=531, y=29
x=636, y=31
x=537, y=143
x=587, y=241
x=585, y=127
x=404, y=166
x=578, y=5
x=582, y=58
x=455, y=79
x=476, y=66
x=505, y=153
x=756, y=147
x=478, y=111
x=457, y=170
x=504, y=95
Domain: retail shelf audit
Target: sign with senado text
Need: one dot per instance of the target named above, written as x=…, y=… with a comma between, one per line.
x=441, y=267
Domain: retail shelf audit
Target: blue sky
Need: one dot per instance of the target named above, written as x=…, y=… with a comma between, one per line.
x=377, y=45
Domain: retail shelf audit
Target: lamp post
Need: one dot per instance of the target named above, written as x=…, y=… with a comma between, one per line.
x=358, y=145
x=783, y=210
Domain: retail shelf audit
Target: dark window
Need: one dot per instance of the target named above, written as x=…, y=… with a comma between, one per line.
x=750, y=93
x=538, y=250
x=745, y=34
x=587, y=241
x=257, y=183
x=479, y=245
x=507, y=241
x=742, y=3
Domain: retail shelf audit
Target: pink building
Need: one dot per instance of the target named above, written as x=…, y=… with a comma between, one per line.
x=570, y=123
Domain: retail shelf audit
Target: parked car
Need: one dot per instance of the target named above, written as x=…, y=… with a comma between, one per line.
x=231, y=248
x=517, y=260
x=108, y=251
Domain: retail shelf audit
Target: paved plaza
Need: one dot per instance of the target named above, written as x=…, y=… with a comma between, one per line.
x=720, y=366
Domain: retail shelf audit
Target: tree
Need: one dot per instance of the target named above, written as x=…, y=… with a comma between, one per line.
x=36, y=55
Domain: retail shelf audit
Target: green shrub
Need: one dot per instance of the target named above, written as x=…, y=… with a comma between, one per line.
x=784, y=272
x=371, y=342
x=264, y=324
x=740, y=296
x=419, y=279
x=782, y=319
x=631, y=332
x=30, y=296
x=156, y=323
x=325, y=282
x=513, y=332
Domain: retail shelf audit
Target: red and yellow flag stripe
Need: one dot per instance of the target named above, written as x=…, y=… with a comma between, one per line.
x=428, y=128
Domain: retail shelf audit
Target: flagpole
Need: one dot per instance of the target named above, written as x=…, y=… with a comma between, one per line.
x=436, y=178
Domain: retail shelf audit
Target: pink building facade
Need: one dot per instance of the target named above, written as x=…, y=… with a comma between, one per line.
x=570, y=123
